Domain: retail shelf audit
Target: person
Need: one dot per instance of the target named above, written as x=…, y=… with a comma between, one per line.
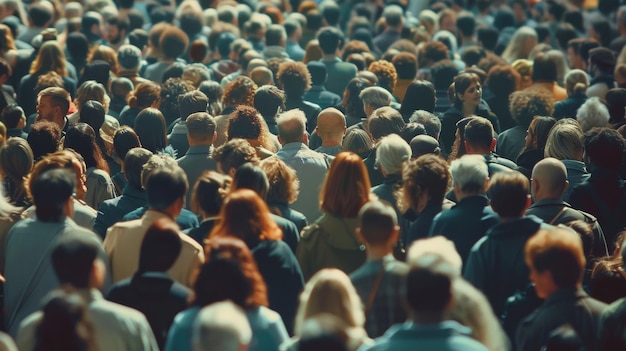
x=601, y=67
x=230, y=266
x=576, y=84
x=208, y=196
x=151, y=130
x=426, y=102
x=133, y=196
x=150, y=290
x=318, y=94
x=145, y=95
x=246, y=123
x=221, y=326
x=351, y=102
x=380, y=282
x=330, y=240
x=295, y=79
x=14, y=118
x=284, y=188
x=471, y=217
x=29, y=280
x=382, y=122
x=394, y=23
x=309, y=165
x=503, y=243
x=53, y=105
x=82, y=139
x=405, y=64
x=544, y=78
x=16, y=161
x=610, y=336
x=197, y=159
x=479, y=139
x=536, y=139
x=81, y=268
x=430, y=296
x=556, y=261
x=602, y=195
x=502, y=81
x=330, y=293
x=424, y=184
x=549, y=184
x=331, y=128
x=269, y=101
x=189, y=103
x=165, y=191
x=342, y=72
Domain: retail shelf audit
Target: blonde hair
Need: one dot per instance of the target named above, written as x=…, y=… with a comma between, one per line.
x=330, y=291
x=576, y=81
x=525, y=69
x=49, y=58
x=565, y=141
x=517, y=48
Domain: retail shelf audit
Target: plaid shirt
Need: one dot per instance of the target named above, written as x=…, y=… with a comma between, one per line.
x=389, y=305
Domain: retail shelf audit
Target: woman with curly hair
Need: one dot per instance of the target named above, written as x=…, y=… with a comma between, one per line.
x=145, y=95
x=386, y=73
x=82, y=139
x=50, y=58
x=295, y=79
x=238, y=92
x=351, y=103
x=247, y=123
x=284, y=190
x=230, y=273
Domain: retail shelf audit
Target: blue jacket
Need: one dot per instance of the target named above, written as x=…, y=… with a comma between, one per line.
x=113, y=210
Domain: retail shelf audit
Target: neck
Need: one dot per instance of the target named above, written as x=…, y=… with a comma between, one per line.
x=378, y=252
x=468, y=110
x=329, y=56
x=460, y=195
x=428, y=317
x=330, y=142
x=198, y=143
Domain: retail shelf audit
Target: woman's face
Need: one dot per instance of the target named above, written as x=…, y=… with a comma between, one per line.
x=472, y=95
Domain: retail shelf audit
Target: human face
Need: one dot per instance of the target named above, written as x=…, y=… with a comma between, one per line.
x=544, y=285
x=81, y=178
x=472, y=95
x=574, y=60
x=113, y=34
x=45, y=109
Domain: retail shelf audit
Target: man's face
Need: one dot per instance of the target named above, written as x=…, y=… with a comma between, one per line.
x=45, y=109
x=574, y=60
x=113, y=34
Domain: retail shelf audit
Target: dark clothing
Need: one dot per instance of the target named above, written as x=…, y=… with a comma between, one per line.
x=607, y=283
x=465, y=223
x=280, y=270
x=116, y=106
x=310, y=110
x=568, y=107
x=186, y=219
x=376, y=177
x=16, y=132
x=128, y=115
x=322, y=97
x=296, y=217
x=496, y=164
x=291, y=235
x=202, y=232
x=604, y=196
x=421, y=225
x=443, y=104
x=27, y=95
x=566, y=306
x=496, y=264
x=384, y=40
x=500, y=106
x=611, y=336
x=527, y=160
x=155, y=295
x=113, y=210
x=452, y=116
x=386, y=191
x=511, y=142
x=550, y=211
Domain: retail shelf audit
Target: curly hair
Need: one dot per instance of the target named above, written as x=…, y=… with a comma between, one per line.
x=432, y=52
x=230, y=273
x=427, y=175
x=295, y=78
x=240, y=92
x=284, y=183
x=144, y=95
x=171, y=89
x=525, y=105
x=246, y=123
x=235, y=153
x=386, y=73
x=354, y=47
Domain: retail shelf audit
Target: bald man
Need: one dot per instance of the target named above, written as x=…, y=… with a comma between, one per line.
x=331, y=127
x=262, y=76
x=549, y=182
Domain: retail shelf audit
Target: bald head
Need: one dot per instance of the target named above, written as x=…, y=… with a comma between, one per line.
x=549, y=179
x=262, y=76
x=331, y=124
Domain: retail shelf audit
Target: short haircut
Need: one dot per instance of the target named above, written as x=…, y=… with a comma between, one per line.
x=469, y=173
x=221, y=326
x=173, y=42
x=393, y=15
x=429, y=120
x=133, y=165
x=160, y=247
x=164, y=186
x=544, y=69
x=429, y=285
x=376, y=96
x=329, y=39
x=50, y=191
x=39, y=14
x=405, y=64
x=592, y=113
x=73, y=259
x=384, y=121
x=11, y=116
x=191, y=102
x=466, y=24
x=488, y=37
x=269, y=100
x=479, y=132
x=274, y=35
x=508, y=192
x=377, y=221
x=44, y=138
x=92, y=112
x=291, y=126
x=121, y=87
x=604, y=147
x=201, y=126
x=559, y=252
x=121, y=21
x=443, y=74
x=234, y=153
x=59, y=97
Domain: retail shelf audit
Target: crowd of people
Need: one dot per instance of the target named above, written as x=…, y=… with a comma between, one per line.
x=313, y=175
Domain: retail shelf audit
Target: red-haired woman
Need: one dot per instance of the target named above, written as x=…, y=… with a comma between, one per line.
x=230, y=273
x=330, y=241
x=246, y=216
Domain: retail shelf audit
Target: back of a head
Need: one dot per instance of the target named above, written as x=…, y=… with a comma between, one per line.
x=133, y=165
x=385, y=121
x=392, y=153
x=429, y=286
x=291, y=126
x=201, y=127
x=221, y=326
x=508, y=192
x=605, y=148
x=160, y=247
x=11, y=116
x=551, y=175
x=479, y=133
x=593, y=113
x=544, y=69
x=250, y=176
x=92, y=113
x=269, y=100
x=424, y=144
x=525, y=105
x=376, y=96
x=192, y=102
x=470, y=173
x=165, y=186
x=73, y=259
x=377, y=222
x=50, y=192
x=329, y=40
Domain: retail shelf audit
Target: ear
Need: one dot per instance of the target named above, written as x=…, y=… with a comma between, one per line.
x=280, y=140
x=487, y=183
x=395, y=235
x=359, y=235
x=566, y=186
x=468, y=147
x=492, y=147
x=214, y=137
x=528, y=202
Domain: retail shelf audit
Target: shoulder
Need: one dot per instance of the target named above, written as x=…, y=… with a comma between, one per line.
x=100, y=175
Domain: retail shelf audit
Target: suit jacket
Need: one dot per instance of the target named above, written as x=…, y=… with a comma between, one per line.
x=196, y=161
x=611, y=335
x=568, y=107
x=123, y=243
x=178, y=138
x=113, y=210
x=339, y=74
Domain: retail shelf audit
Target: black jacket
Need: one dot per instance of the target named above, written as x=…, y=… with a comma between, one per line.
x=453, y=115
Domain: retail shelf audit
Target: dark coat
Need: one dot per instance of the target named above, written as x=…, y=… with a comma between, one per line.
x=113, y=210
x=310, y=110
x=611, y=335
x=296, y=217
x=568, y=107
x=453, y=115
x=155, y=295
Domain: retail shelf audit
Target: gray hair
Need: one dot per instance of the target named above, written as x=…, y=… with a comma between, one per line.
x=593, y=113
x=221, y=326
x=291, y=126
x=376, y=96
x=392, y=153
x=469, y=173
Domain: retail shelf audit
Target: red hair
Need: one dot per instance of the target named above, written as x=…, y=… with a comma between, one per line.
x=246, y=216
x=347, y=186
